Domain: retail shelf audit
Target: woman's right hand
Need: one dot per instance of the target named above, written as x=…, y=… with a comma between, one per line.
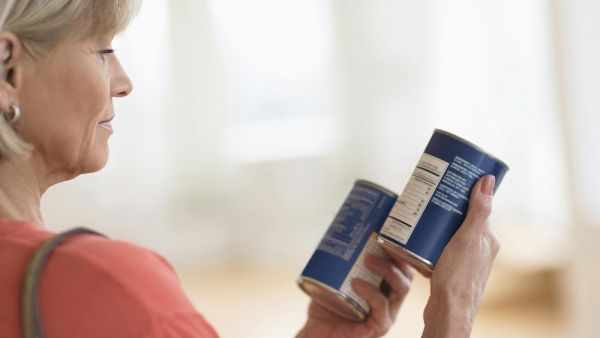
x=462, y=271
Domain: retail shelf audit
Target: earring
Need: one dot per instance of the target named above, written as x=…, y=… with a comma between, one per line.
x=15, y=113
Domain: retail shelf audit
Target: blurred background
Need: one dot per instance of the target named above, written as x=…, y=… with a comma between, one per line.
x=250, y=120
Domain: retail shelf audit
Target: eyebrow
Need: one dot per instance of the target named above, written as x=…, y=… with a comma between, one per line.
x=102, y=40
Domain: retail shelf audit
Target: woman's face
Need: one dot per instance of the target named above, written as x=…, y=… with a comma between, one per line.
x=66, y=103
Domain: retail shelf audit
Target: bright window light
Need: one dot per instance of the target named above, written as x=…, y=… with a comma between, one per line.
x=276, y=55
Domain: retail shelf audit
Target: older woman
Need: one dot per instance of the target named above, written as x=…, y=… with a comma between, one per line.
x=58, y=78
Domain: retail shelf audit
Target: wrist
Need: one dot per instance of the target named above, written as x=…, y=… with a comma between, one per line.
x=449, y=315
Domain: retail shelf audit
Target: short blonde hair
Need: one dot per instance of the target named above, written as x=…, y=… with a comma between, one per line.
x=41, y=25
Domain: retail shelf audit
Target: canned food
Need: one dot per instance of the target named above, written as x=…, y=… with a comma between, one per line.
x=339, y=258
x=434, y=202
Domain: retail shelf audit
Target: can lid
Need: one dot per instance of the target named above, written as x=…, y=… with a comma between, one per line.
x=333, y=299
x=447, y=133
x=399, y=252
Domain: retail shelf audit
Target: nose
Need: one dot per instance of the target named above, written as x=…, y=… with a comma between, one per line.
x=120, y=84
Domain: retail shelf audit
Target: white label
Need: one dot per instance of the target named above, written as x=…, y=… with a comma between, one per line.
x=359, y=270
x=409, y=207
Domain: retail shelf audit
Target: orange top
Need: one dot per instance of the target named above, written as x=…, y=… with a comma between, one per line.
x=95, y=287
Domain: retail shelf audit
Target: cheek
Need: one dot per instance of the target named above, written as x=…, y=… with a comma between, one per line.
x=86, y=96
x=64, y=110
x=92, y=140
x=84, y=93
x=80, y=112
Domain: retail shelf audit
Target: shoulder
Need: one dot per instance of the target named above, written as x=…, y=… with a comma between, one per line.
x=119, y=266
x=116, y=284
x=120, y=259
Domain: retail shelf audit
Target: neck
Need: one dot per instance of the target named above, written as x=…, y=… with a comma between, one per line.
x=21, y=190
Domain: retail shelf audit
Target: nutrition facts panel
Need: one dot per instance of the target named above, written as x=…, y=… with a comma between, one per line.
x=418, y=191
x=351, y=223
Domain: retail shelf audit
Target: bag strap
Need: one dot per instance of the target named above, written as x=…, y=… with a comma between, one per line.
x=30, y=316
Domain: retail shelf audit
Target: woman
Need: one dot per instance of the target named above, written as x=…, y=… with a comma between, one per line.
x=58, y=77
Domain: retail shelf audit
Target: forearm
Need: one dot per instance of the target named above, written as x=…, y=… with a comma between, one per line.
x=448, y=316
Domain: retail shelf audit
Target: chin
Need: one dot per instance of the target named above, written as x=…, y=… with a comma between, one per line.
x=95, y=162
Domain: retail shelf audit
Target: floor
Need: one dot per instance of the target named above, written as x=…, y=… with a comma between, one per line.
x=265, y=302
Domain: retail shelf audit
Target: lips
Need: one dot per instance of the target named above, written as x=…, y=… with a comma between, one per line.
x=106, y=124
x=108, y=119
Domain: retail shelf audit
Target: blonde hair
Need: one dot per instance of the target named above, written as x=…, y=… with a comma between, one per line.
x=40, y=25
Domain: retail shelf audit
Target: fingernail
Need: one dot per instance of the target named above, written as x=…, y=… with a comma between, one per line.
x=488, y=184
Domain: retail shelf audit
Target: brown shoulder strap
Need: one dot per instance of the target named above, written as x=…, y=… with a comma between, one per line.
x=30, y=316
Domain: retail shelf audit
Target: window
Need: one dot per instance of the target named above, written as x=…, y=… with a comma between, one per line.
x=276, y=56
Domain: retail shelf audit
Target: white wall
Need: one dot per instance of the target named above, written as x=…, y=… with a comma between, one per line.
x=578, y=54
x=249, y=122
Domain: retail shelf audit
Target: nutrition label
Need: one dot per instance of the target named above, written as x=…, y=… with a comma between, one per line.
x=410, y=205
x=350, y=225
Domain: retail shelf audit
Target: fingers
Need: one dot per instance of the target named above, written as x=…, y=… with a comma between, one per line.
x=397, y=280
x=380, y=307
x=480, y=205
x=398, y=277
x=406, y=269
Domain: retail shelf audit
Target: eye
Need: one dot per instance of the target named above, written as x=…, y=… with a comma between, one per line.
x=105, y=51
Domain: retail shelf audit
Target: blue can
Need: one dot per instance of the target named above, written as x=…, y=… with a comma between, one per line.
x=434, y=202
x=339, y=258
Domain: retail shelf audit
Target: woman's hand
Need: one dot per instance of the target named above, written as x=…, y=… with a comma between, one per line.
x=322, y=323
x=462, y=271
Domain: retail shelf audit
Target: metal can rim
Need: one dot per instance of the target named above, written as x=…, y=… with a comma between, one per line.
x=393, y=246
x=355, y=307
x=471, y=144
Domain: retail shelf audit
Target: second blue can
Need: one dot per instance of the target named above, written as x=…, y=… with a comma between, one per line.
x=339, y=258
x=434, y=202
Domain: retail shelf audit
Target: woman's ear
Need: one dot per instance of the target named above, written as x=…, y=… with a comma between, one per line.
x=11, y=54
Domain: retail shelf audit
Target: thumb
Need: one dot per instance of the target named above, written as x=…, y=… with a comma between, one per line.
x=480, y=204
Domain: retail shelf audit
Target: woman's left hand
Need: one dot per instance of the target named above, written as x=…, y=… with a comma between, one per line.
x=398, y=275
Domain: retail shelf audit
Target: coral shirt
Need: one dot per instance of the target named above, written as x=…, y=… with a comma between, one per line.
x=95, y=287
